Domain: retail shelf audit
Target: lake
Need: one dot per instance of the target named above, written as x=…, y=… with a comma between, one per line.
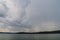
x=29, y=36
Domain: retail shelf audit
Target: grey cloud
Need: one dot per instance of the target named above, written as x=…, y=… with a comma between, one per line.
x=16, y=23
x=19, y=22
x=44, y=16
x=43, y=12
x=3, y=10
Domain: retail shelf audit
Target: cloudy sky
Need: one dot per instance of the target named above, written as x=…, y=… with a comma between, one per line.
x=29, y=15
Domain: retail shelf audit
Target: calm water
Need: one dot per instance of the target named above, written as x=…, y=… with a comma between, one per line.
x=29, y=36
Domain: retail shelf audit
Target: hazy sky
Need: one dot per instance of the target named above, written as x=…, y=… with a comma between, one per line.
x=29, y=15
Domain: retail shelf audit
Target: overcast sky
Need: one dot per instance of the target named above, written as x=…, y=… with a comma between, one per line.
x=29, y=15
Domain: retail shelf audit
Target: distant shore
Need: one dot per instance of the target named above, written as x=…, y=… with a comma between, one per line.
x=44, y=32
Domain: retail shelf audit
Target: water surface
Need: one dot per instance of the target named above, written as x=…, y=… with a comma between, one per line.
x=29, y=36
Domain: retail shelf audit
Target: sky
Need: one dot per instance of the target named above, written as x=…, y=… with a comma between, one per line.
x=29, y=15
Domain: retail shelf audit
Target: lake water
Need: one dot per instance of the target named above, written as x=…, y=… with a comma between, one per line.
x=29, y=36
